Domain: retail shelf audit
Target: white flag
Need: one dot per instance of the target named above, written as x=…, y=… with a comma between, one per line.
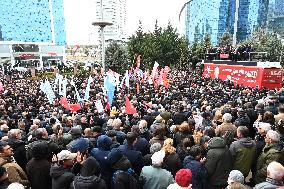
x=99, y=106
x=127, y=79
x=87, y=92
x=77, y=93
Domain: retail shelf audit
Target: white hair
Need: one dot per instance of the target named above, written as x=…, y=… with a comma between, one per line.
x=16, y=185
x=158, y=158
x=273, y=135
x=116, y=123
x=13, y=133
x=265, y=126
x=3, y=127
x=109, y=122
x=36, y=121
x=143, y=123
x=275, y=170
x=227, y=117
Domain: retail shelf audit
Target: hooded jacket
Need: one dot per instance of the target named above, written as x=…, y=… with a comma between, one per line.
x=135, y=157
x=199, y=172
x=100, y=154
x=61, y=177
x=80, y=144
x=271, y=152
x=218, y=153
x=123, y=175
x=88, y=177
x=243, y=152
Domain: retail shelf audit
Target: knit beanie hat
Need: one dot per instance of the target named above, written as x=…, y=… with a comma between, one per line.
x=183, y=177
x=158, y=158
x=236, y=176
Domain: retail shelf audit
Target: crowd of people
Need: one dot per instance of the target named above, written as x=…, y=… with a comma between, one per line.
x=234, y=53
x=199, y=133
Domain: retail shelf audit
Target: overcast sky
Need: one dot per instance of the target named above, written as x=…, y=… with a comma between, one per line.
x=79, y=15
x=149, y=10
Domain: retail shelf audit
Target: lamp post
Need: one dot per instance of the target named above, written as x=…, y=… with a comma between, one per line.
x=182, y=8
x=102, y=24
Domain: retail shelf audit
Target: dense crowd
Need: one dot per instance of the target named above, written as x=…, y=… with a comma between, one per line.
x=199, y=133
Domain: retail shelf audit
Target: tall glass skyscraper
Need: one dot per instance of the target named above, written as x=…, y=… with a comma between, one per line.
x=203, y=16
x=218, y=16
x=276, y=17
x=32, y=21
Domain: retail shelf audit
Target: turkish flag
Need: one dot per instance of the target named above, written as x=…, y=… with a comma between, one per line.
x=74, y=107
x=64, y=103
x=129, y=108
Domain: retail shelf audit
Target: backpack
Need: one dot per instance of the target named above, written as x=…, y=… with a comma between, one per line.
x=132, y=178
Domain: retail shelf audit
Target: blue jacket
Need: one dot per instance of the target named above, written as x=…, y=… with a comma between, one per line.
x=199, y=172
x=135, y=157
x=100, y=154
x=142, y=145
x=80, y=144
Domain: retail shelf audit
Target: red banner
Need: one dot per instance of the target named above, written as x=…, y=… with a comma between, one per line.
x=72, y=107
x=27, y=55
x=52, y=54
x=252, y=76
x=224, y=56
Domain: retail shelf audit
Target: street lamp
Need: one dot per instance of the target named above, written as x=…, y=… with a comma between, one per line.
x=182, y=8
x=102, y=24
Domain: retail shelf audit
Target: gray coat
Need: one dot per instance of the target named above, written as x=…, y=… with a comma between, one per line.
x=269, y=184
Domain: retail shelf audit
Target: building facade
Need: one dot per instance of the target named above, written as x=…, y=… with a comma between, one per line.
x=276, y=17
x=112, y=11
x=33, y=29
x=218, y=16
x=33, y=21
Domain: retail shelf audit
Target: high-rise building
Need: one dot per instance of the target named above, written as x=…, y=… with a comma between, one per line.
x=33, y=21
x=113, y=11
x=205, y=16
x=276, y=17
x=1, y=39
x=218, y=16
x=32, y=32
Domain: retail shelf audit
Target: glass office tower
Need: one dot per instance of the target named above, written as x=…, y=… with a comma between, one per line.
x=218, y=16
x=32, y=21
